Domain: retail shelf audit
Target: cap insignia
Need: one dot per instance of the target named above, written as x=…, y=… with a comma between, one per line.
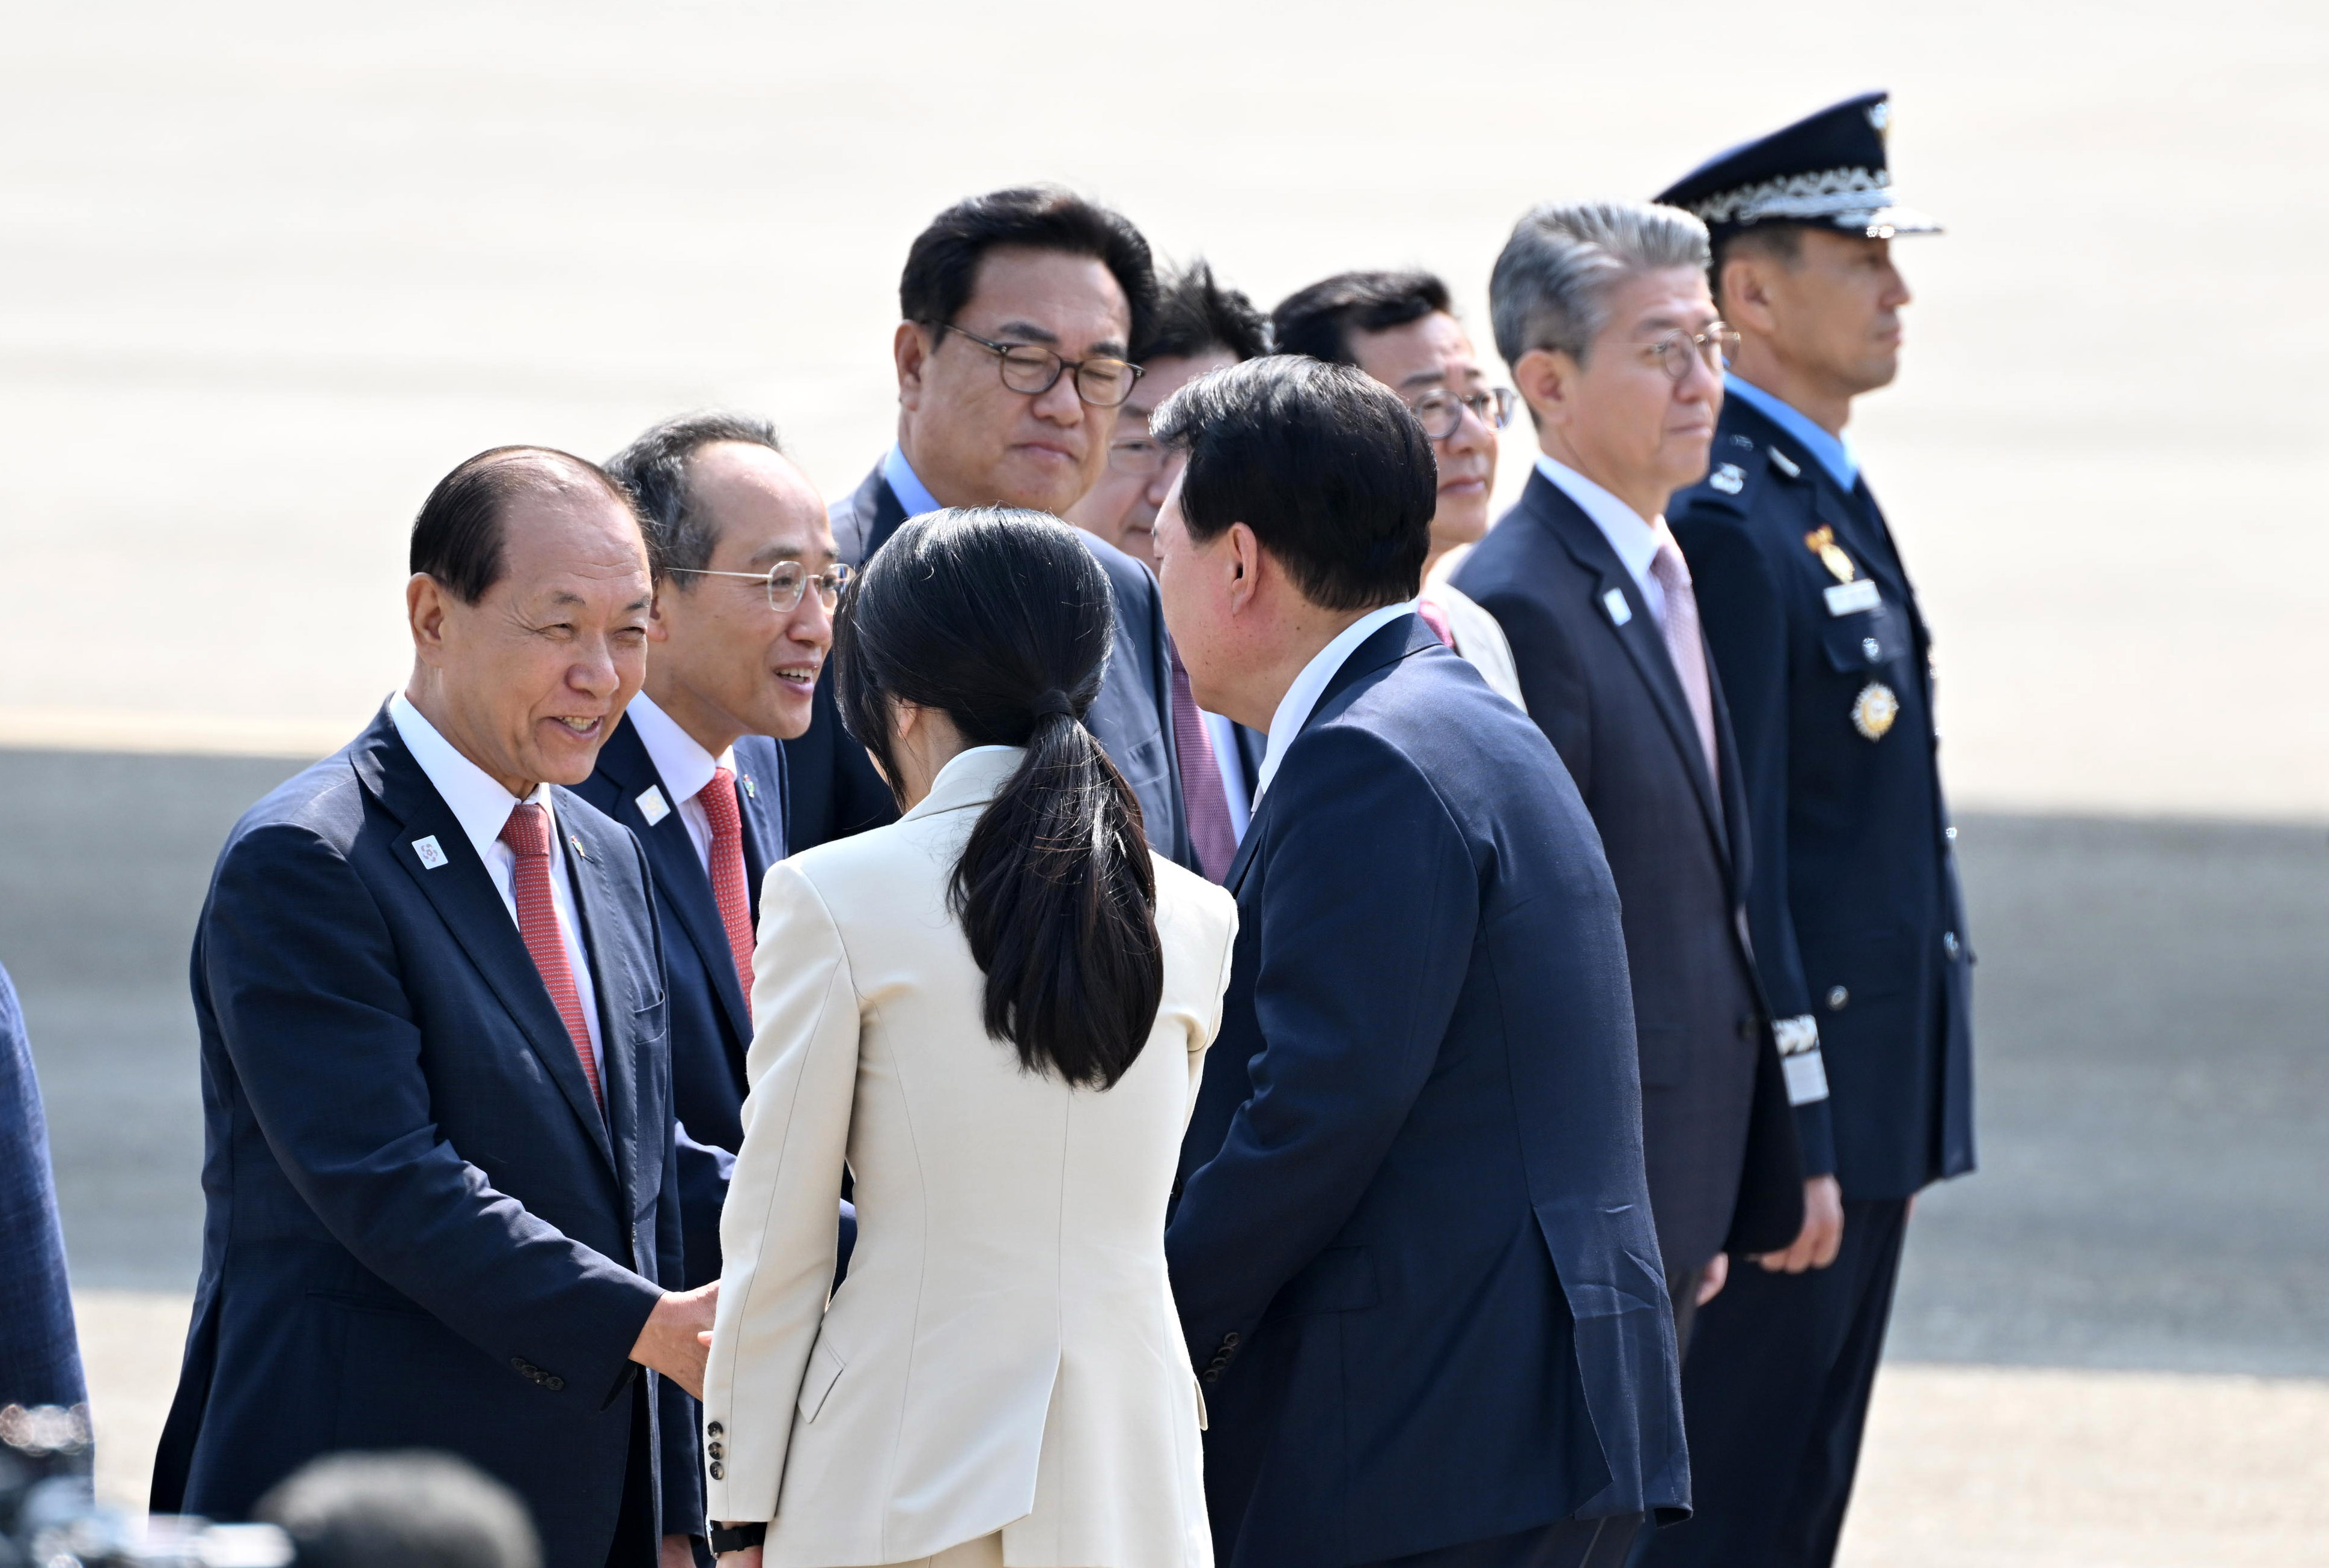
x=1880, y=115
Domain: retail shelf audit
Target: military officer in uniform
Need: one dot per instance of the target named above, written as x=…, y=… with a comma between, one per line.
x=1858, y=929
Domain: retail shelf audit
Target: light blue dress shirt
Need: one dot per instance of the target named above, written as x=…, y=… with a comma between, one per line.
x=906, y=485
x=1834, y=452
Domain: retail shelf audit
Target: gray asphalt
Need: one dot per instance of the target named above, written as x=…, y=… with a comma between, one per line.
x=2154, y=1009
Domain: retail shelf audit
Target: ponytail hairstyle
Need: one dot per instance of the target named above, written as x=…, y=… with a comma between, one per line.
x=1000, y=619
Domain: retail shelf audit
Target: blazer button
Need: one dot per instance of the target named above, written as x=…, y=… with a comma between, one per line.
x=717, y=1451
x=1231, y=1340
x=717, y=1473
x=1212, y=1373
x=553, y=1384
x=1837, y=997
x=715, y=1429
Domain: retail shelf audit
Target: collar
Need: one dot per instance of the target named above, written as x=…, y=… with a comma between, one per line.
x=972, y=777
x=474, y=796
x=1632, y=536
x=1834, y=452
x=1294, y=709
x=682, y=765
x=906, y=485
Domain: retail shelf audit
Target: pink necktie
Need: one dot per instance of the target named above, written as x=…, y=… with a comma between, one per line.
x=728, y=891
x=1208, y=804
x=527, y=833
x=1683, y=646
x=1436, y=619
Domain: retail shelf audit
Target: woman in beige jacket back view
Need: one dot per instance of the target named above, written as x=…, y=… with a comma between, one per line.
x=994, y=1012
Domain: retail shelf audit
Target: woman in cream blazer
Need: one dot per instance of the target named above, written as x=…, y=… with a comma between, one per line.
x=1002, y=1378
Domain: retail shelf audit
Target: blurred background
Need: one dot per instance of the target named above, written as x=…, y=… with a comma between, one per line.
x=268, y=270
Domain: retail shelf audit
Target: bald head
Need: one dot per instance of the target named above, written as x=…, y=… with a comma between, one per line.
x=528, y=606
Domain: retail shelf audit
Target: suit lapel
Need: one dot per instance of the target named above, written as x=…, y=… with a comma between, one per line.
x=889, y=514
x=1644, y=643
x=595, y=899
x=671, y=854
x=463, y=894
x=759, y=792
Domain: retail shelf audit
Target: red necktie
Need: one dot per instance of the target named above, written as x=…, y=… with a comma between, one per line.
x=1209, y=828
x=728, y=891
x=527, y=833
x=1436, y=619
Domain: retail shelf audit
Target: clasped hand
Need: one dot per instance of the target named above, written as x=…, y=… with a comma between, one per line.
x=677, y=1339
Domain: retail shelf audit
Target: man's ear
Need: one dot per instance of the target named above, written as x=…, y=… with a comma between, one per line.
x=1743, y=294
x=658, y=628
x=1243, y=557
x=1546, y=379
x=912, y=348
x=426, y=604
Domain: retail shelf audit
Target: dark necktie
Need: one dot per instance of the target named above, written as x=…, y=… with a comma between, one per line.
x=1209, y=828
x=527, y=833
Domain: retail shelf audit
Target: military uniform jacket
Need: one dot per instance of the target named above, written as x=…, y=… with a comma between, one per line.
x=1858, y=925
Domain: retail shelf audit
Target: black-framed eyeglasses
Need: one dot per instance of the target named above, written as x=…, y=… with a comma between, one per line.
x=1034, y=369
x=786, y=582
x=1442, y=411
x=1674, y=351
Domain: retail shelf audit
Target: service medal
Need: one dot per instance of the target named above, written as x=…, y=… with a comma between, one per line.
x=1821, y=542
x=1874, y=710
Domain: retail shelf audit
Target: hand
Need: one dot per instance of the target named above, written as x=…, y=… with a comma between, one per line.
x=678, y=1552
x=1716, y=1275
x=750, y=1557
x=1822, y=1237
x=677, y=1338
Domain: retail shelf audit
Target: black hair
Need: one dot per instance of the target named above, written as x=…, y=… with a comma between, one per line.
x=653, y=469
x=942, y=268
x=1001, y=619
x=400, y=1510
x=1784, y=242
x=1195, y=315
x=1331, y=470
x=1319, y=320
x=457, y=537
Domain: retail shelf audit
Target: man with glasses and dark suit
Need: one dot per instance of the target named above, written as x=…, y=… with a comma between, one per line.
x=443, y=1211
x=1400, y=328
x=1021, y=310
x=746, y=580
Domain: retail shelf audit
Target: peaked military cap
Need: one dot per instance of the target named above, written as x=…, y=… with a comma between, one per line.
x=1827, y=169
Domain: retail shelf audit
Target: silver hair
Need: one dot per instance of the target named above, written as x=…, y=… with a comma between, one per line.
x=1551, y=286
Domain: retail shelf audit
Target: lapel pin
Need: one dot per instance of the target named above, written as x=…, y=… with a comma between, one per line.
x=431, y=853
x=651, y=806
x=576, y=839
x=1620, y=611
x=748, y=789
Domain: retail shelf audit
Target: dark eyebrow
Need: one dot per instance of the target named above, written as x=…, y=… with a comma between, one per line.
x=1027, y=332
x=1425, y=377
x=638, y=605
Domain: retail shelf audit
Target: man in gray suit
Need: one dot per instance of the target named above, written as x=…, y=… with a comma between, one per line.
x=1020, y=309
x=1602, y=313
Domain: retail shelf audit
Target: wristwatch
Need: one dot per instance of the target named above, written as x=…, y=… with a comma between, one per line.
x=727, y=1538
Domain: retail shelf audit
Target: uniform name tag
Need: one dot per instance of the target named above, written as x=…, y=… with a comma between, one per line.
x=1851, y=598
x=651, y=806
x=431, y=853
x=1620, y=611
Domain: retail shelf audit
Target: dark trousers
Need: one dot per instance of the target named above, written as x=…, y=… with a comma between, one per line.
x=1774, y=1399
x=1564, y=1543
x=637, y=1543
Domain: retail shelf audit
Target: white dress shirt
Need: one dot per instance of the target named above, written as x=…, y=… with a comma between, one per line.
x=1230, y=763
x=684, y=766
x=1629, y=533
x=1294, y=709
x=482, y=807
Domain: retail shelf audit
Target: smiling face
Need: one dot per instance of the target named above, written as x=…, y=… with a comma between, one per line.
x=528, y=681
x=1432, y=353
x=1618, y=417
x=725, y=664
x=1122, y=507
x=975, y=442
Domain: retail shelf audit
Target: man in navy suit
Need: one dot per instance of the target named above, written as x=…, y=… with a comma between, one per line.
x=1020, y=308
x=1602, y=312
x=1412, y=1248
x=1859, y=928
x=441, y=1139
x=40, y=1355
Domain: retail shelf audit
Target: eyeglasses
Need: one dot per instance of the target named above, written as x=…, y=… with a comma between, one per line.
x=1674, y=351
x=1140, y=456
x=786, y=581
x=1442, y=411
x=1034, y=369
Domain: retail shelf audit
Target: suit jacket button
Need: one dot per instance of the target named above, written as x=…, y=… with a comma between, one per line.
x=1230, y=1340
x=718, y=1452
x=715, y=1429
x=553, y=1384
x=718, y=1472
x=1837, y=997
x=1212, y=1373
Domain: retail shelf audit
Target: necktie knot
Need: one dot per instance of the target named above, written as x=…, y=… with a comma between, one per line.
x=527, y=832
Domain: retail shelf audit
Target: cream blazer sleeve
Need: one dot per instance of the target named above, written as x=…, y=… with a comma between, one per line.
x=778, y=1228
